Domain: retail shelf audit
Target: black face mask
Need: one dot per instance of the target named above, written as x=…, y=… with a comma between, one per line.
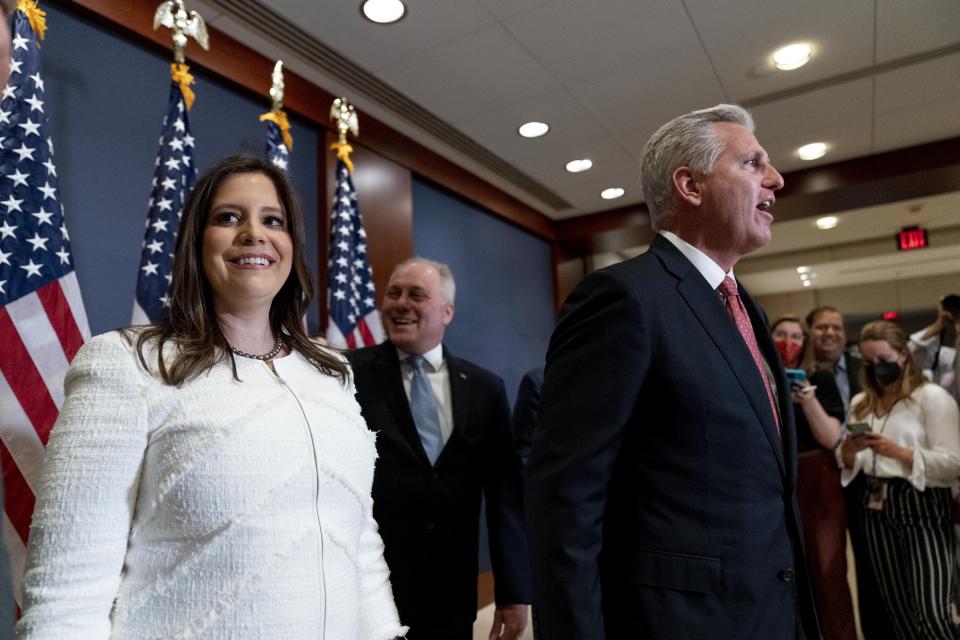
x=883, y=373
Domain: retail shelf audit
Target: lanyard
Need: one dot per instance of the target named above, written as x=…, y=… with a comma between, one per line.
x=883, y=425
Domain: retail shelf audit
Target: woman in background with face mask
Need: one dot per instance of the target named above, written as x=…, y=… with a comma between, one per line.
x=904, y=435
x=818, y=408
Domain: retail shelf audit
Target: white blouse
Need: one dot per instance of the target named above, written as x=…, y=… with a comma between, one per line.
x=220, y=509
x=929, y=423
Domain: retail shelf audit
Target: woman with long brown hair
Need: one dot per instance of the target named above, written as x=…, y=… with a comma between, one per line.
x=210, y=475
x=904, y=436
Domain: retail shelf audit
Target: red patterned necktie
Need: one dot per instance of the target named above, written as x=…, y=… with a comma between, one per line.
x=731, y=299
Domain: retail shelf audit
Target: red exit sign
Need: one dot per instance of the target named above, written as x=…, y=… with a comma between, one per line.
x=890, y=315
x=911, y=238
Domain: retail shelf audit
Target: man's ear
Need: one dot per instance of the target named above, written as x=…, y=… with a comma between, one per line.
x=687, y=185
x=448, y=314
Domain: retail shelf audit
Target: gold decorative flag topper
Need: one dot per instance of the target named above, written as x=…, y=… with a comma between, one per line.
x=173, y=15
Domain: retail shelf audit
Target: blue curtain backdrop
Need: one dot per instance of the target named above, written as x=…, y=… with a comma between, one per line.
x=106, y=100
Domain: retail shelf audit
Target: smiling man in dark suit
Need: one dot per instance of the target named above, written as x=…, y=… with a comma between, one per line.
x=443, y=436
x=660, y=490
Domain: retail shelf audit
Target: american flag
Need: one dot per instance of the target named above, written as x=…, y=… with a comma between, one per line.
x=172, y=180
x=277, y=151
x=42, y=319
x=354, y=320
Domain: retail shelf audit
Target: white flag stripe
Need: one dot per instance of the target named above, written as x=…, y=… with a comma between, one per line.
x=375, y=325
x=20, y=436
x=17, y=552
x=71, y=291
x=31, y=321
x=139, y=316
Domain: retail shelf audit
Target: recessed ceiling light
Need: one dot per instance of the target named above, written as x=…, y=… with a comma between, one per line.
x=827, y=222
x=808, y=283
x=612, y=193
x=803, y=269
x=533, y=129
x=812, y=151
x=808, y=276
x=792, y=56
x=383, y=11
x=576, y=166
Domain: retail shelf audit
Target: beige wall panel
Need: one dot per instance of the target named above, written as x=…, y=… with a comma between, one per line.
x=861, y=298
x=925, y=293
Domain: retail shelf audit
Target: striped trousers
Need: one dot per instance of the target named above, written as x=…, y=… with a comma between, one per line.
x=911, y=545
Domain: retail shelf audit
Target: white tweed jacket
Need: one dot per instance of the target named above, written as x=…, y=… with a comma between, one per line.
x=220, y=509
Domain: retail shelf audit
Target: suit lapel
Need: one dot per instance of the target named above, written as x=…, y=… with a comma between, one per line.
x=459, y=401
x=387, y=368
x=719, y=326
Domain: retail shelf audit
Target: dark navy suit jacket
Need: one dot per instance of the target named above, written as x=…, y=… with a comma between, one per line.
x=660, y=494
x=429, y=515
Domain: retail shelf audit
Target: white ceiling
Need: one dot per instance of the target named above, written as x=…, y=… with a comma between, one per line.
x=605, y=73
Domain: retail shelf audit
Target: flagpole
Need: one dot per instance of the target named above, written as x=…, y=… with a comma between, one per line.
x=279, y=138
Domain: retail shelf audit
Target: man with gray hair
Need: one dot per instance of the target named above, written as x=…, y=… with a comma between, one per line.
x=660, y=489
x=443, y=436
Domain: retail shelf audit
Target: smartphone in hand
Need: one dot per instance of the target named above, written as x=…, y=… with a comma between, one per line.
x=858, y=428
x=795, y=378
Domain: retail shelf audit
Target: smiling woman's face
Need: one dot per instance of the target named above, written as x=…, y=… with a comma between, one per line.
x=247, y=249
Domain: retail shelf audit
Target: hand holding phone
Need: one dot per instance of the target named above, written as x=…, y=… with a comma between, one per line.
x=857, y=429
x=796, y=378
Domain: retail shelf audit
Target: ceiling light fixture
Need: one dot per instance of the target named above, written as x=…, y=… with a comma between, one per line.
x=792, y=56
x=808, y=283
x=612, y=193
x=827, y=222
x=577, y=166
x=533, y=129
x=803, y=269
x=383, y=11
x=812, y=151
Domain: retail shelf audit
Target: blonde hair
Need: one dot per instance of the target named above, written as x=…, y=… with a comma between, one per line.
x=911, y=379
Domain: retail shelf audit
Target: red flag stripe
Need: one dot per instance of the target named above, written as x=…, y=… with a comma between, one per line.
x=351, y=341
x=61, y=318
x=25, y=381
x=17, y=495
x=365, y=335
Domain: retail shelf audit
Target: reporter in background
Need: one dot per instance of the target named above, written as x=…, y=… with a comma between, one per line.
x=903, y=435
x=818, y=408
x=927, y=346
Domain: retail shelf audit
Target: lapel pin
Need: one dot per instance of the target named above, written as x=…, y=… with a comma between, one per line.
x=463, y=375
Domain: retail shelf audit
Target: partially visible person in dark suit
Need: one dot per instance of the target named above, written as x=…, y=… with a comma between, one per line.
x=526, y=412
x=660, y=491
x=7, y=605
x=829, y=353
x=443, y=435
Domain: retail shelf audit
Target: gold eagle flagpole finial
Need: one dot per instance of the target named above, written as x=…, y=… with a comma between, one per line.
x=173, y=15
x=345, y=117
x=276, y=114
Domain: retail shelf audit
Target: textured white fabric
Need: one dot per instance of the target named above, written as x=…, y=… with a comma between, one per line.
x=929, y=423
x=220, y=509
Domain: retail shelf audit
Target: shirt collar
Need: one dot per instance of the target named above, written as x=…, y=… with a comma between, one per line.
x=842, y=363
x=434, y=357
x=710, y=270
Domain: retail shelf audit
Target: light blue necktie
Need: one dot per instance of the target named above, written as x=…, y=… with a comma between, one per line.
x=423, y=406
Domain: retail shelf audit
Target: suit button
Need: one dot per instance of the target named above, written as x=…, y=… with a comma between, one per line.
x=785, y=575
x=428, y=525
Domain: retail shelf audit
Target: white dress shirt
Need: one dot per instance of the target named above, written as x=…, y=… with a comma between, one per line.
x=439, y=376
x=929, y=423
x=710, y=270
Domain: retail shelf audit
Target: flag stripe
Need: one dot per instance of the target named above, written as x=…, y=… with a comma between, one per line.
x=19, y=435
x=28, y=386
x=351, y=341
x=35, y=330
x=17, y=495
x=71, y=291
x=364, y=331
x=61, y=319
